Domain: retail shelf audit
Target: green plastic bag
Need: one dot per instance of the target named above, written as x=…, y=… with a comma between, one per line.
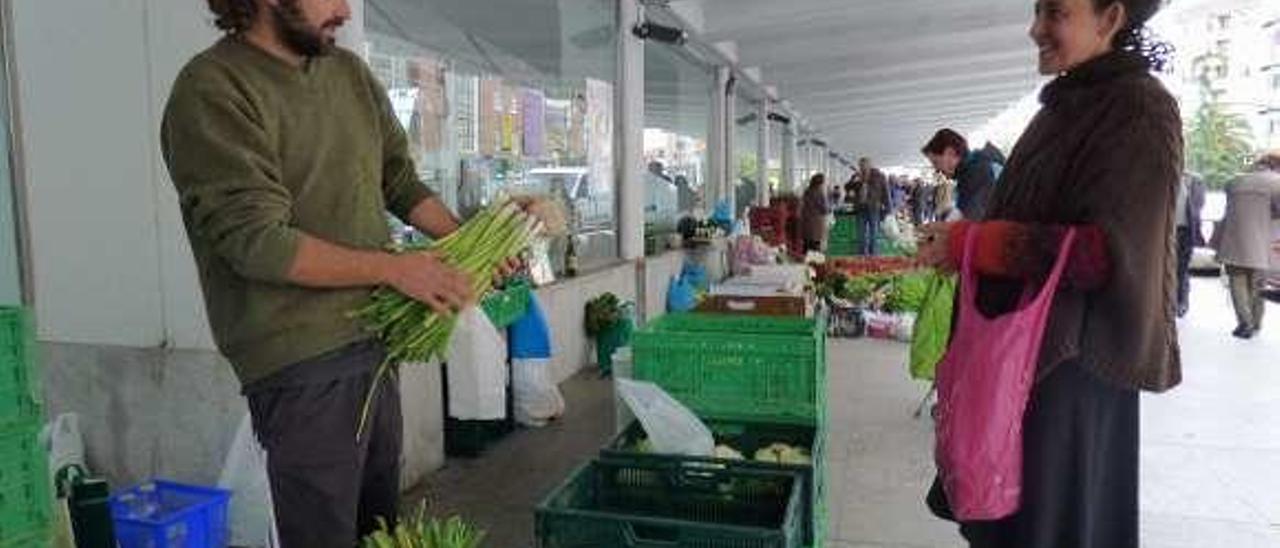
x=933, y=326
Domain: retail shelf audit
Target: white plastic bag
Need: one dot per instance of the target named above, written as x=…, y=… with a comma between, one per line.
x=64, y=443
x=251, y=517
x=477, y=369
x=672, y=428
x=536, y=398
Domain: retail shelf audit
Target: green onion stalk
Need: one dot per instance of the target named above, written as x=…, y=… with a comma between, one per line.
x=413, y=332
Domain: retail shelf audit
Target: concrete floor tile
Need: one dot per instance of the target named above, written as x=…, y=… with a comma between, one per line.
x=1165, y=531
x=1210, y=448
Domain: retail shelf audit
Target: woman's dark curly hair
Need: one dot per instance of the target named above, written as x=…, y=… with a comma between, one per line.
x=1135, y=36
x=233, y=16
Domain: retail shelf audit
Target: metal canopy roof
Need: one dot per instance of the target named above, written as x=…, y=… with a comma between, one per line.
x=878, y=77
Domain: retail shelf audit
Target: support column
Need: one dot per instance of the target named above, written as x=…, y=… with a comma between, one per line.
x=717, y=144
x=790, y=182
x=730, y=147
x=351, y=34
x=629, y=166
x=762, y=155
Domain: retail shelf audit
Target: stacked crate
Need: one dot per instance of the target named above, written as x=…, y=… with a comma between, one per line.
x=24, y=478
x=755, y=381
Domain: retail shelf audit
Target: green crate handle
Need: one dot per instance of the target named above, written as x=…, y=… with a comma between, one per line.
x=633, y=539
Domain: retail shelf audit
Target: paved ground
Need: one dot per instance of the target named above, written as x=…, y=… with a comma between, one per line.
x=1211, y=448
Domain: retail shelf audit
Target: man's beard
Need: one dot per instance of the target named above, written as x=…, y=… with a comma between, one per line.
x=292, y=26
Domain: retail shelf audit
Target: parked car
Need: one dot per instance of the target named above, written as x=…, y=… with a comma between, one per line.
x=1204, y=259
x=591, y=205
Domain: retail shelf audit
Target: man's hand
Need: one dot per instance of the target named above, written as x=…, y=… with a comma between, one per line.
x=425, y=278
x=934, y=246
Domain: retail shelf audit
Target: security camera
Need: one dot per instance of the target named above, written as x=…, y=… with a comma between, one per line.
x=661, y=33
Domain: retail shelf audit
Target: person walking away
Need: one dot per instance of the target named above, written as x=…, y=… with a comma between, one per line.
x=873, y=204
x=813, y=213
x=1182, y=212
x=975, y=172
x=919, y=205
x=1243, y=240
x=1103, y=155
x=286, y=154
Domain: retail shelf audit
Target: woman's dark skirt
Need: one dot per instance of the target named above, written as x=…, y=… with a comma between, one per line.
x=1080, y=469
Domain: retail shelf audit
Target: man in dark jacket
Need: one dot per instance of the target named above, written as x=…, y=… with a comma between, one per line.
x=1187, y=212
x=873, y=203
x=975, y=172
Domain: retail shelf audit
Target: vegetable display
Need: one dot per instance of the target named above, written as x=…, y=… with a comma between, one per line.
x=775, y=453
x=422, y=532
x=410, y=330
x=601, y=313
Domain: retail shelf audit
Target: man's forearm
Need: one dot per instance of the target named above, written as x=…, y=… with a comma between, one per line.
x=433, y=218
x=322, y=264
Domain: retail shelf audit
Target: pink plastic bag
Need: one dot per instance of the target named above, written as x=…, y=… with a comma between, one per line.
x=984, y=381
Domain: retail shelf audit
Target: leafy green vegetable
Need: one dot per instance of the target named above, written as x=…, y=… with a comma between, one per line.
x=419, y=531
x=602, y=313
x=411, y=331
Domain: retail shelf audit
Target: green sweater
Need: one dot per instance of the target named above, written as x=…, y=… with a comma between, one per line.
x=261, y=152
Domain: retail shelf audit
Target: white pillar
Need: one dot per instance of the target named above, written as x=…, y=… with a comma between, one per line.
x=730, y=159
x=717, y=144
x=351, y=35
x=762, y=154
x=790, y=182
x=629, y=166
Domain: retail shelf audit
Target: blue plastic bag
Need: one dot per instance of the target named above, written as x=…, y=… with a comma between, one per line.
x=723, y=215
x=530, y=336
x=696, y=275
x=681, y=295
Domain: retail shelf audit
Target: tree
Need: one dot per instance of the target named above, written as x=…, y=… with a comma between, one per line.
x=1218, y=141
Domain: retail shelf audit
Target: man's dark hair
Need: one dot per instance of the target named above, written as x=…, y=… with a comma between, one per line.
x=946, y=138
x=233, y=16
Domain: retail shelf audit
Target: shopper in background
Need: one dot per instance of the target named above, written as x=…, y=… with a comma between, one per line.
x=284, y=191
x=944, y=202
x=1185, y=221
x=873, y=204
x=974, y=171
x=920, y=202
x=1244, y=238
x=813, y=213
x=1104, y=155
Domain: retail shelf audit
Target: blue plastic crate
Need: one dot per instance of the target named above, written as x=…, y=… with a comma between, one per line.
x=163, y=514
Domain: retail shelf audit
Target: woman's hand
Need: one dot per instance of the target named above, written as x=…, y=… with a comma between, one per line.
x=508, y=268
x=934, y=246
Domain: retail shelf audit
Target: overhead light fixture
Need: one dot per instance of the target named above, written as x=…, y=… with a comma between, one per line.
x=661, y=33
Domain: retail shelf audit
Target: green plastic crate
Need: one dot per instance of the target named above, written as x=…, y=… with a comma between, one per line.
x=506, y=306
x=25, y=502
x=747, y=437
x=37, y=538
x=629, y=504
x=749, y=368
x=20, y=400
